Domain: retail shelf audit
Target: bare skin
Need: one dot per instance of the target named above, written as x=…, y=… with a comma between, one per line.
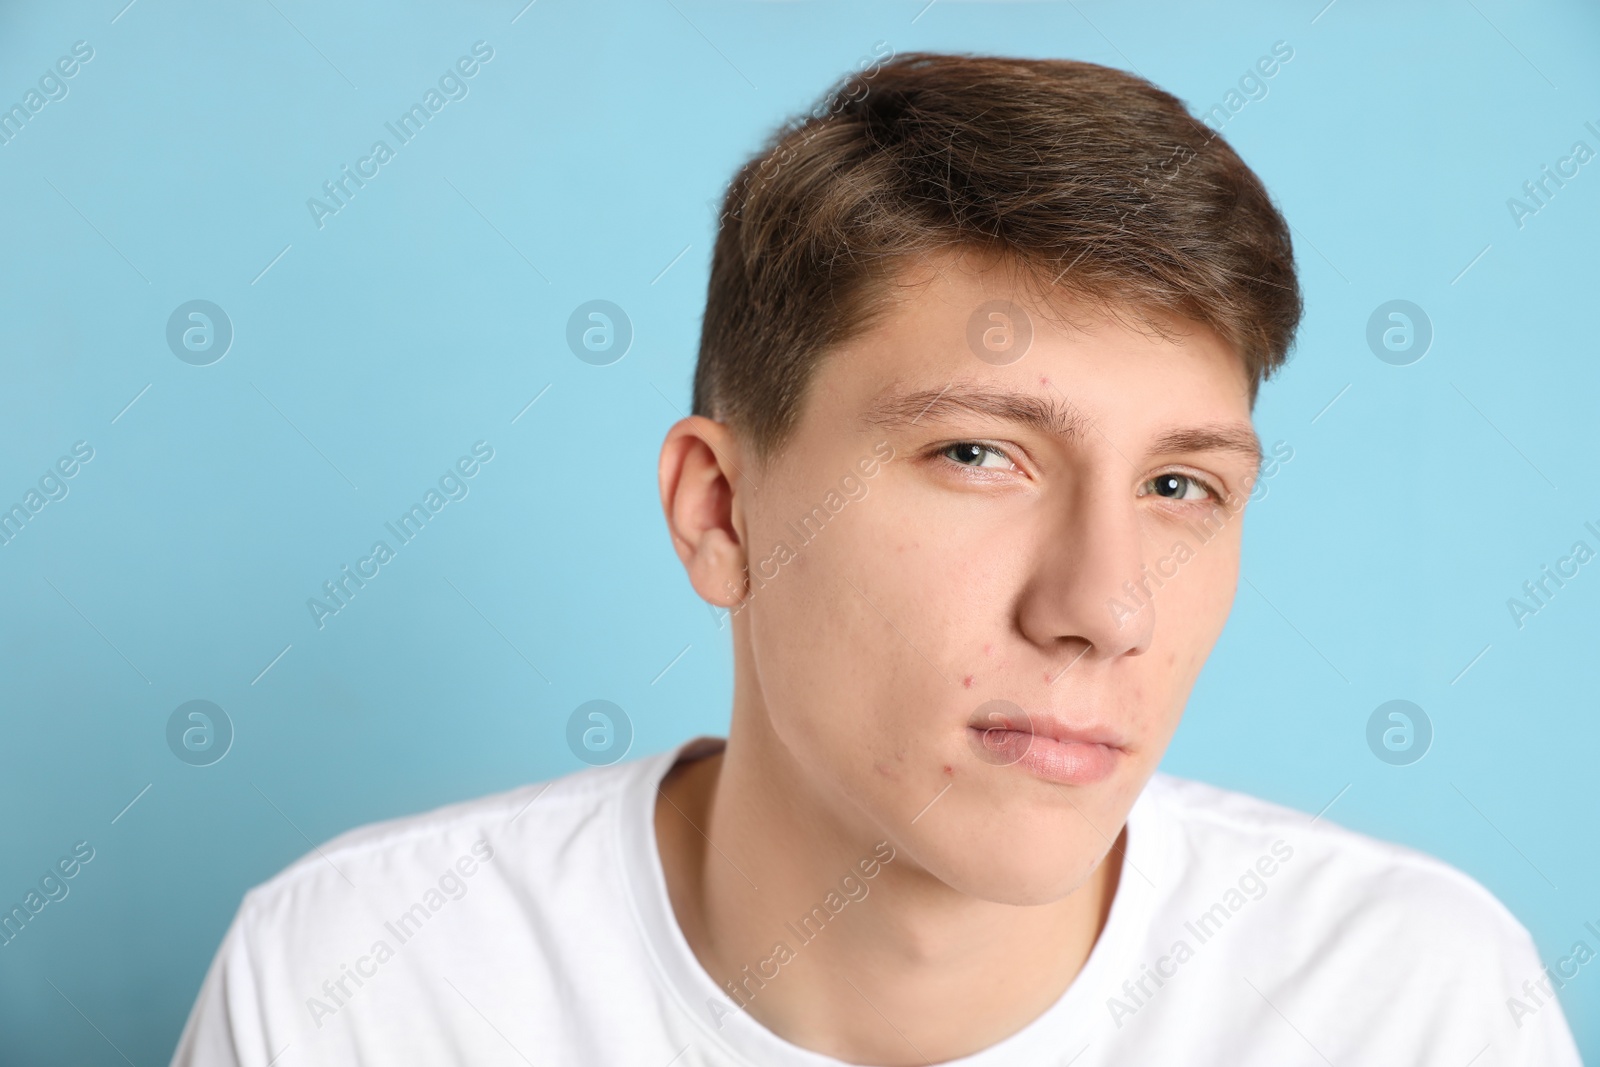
x=984, y=560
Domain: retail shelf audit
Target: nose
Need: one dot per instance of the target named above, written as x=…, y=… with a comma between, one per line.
x=1076, y=604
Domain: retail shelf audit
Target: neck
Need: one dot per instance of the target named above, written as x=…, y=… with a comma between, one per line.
x=782, y=890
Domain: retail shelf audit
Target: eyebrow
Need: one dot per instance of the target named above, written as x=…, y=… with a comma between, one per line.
x=1239, y=440
x=1047, y=416
x=1056, y=418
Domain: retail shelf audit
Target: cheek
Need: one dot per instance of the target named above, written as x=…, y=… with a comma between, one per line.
x=816, y=649
x=1200, y=596
x=844, y=643
x=1191, y=610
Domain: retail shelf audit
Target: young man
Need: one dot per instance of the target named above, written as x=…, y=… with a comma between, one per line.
x=971, y=447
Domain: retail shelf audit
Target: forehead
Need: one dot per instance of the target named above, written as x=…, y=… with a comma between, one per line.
x=984, y=336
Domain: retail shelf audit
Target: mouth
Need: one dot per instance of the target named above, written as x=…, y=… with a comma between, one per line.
x=1005, y=735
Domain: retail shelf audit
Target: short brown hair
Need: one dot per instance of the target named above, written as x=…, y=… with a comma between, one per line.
x=1087, y=176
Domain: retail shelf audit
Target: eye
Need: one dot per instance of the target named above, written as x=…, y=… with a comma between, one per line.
x=1175, y=486
x=975, y=454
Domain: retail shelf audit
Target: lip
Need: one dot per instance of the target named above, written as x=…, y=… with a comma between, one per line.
x=1048, y=747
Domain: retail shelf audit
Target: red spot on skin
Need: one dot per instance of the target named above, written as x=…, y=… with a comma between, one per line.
x=949, y=771
x=967, y=681
x=988, y=649
x=883, y=769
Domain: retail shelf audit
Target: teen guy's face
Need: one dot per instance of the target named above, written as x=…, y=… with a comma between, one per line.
x=982, y=653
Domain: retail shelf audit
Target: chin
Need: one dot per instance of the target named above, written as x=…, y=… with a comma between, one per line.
x=1025, y=859
x=1020, y=884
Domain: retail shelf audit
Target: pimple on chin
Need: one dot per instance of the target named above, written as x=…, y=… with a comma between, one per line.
x=949, y=771
x=967, y=681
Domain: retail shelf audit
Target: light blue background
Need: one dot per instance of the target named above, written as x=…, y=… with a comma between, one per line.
x=432, y=309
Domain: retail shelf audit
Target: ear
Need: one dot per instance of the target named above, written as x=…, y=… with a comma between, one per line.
x=702, y=501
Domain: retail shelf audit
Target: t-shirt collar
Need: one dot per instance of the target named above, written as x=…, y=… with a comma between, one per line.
x=1057, y=1034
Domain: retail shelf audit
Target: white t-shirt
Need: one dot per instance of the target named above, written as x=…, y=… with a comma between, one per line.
x=534, y=927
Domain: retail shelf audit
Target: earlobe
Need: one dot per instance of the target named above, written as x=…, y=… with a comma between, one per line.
x=700, y=501
x=714, y=577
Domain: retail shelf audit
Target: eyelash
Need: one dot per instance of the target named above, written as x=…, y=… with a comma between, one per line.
x=1204, y=483
x=944, y=450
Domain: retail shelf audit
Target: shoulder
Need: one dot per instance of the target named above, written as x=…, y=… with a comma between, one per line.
x=1341, y=882
x=1381, y=952
x=505, y=881
x=499, y=838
